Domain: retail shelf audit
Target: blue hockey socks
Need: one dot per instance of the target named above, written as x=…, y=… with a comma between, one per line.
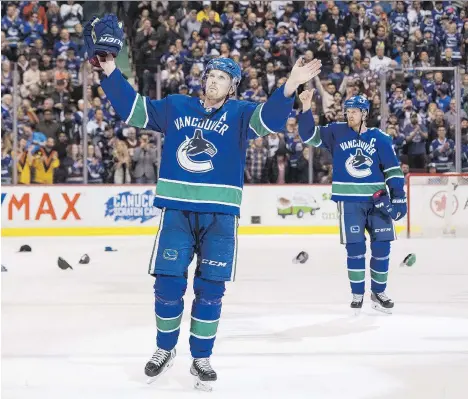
x=206, y=311
x=357, y=266
x=379, y=265
x=168, y=306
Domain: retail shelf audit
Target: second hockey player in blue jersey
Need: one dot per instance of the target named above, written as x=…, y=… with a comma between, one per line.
x=368, y=186
x=199, y=188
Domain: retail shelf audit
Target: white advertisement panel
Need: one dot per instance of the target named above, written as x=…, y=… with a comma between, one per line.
x=128, y=209
x=68, y=208
x=289, y=205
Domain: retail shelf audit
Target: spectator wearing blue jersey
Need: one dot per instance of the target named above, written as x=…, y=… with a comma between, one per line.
x=441, y=151
x=398, y=139
x=420, y=100
x=94, y=166
x=194, y=81
x=254, y=93
x=337, y=75
x=227, y=18
x=301, y=42
x=73, y=65
x=33, y=30
x=34, y=139
x=64, y=43
x=443, y=100
x=7, y=112
x=399, y=20
x=397, y=101
x=407, y=113
x=74, y=164
x=295, y=147
x=13, y=26
x=77, y=38
x=238, y=33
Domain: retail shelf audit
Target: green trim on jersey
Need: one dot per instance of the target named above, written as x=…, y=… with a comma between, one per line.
x=138, y=115
x=356, y=189
x=392, y=172
x=256, y=123
x=316, y=139
x=199, y=192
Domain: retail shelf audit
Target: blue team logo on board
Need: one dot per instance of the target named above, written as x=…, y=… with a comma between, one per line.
x=358, y=165
x=194, y=153
x=132, y=206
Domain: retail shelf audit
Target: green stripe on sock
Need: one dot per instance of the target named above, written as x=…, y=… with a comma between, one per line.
x=226, y=195
x=356, y=276
x=165, y=325
x=205, y=329
x=139, y=116
x=379, y=277
x=357, y=189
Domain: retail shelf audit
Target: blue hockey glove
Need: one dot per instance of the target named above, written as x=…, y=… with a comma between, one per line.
x=103, y=36
x=396, y=208
x=88, y=37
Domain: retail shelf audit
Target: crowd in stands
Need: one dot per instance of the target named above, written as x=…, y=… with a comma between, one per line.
x=360, y=43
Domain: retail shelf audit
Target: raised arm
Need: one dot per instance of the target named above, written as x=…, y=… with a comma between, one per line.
x=316, y=136
x=271, y=116
x=134, y=109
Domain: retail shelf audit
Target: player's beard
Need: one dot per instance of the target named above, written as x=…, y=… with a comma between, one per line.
x=216, y=95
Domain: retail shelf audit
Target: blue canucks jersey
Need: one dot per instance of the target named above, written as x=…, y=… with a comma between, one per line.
x=203, y=158
x=400, y=23
x=453, y=41
x=13, y=30
x=362, y=164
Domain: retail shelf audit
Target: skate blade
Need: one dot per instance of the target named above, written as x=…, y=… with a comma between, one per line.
x=381, y=309
x=200, y=385
x=167, y=367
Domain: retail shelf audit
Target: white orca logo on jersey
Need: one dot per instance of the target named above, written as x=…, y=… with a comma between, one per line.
x=191, y=148
x=358, y=165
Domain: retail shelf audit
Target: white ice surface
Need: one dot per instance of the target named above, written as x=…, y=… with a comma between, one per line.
x=286, y=329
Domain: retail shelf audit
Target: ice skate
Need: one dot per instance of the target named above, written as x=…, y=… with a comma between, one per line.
x=356, y=304
x=160, y=362
x=204, y=374
x=381, y=302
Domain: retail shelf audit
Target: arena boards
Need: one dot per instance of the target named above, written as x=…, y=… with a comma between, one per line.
x=97, y=210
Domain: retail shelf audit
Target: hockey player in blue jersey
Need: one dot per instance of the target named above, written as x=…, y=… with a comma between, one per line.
x=368, y=186
x=199, y=189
